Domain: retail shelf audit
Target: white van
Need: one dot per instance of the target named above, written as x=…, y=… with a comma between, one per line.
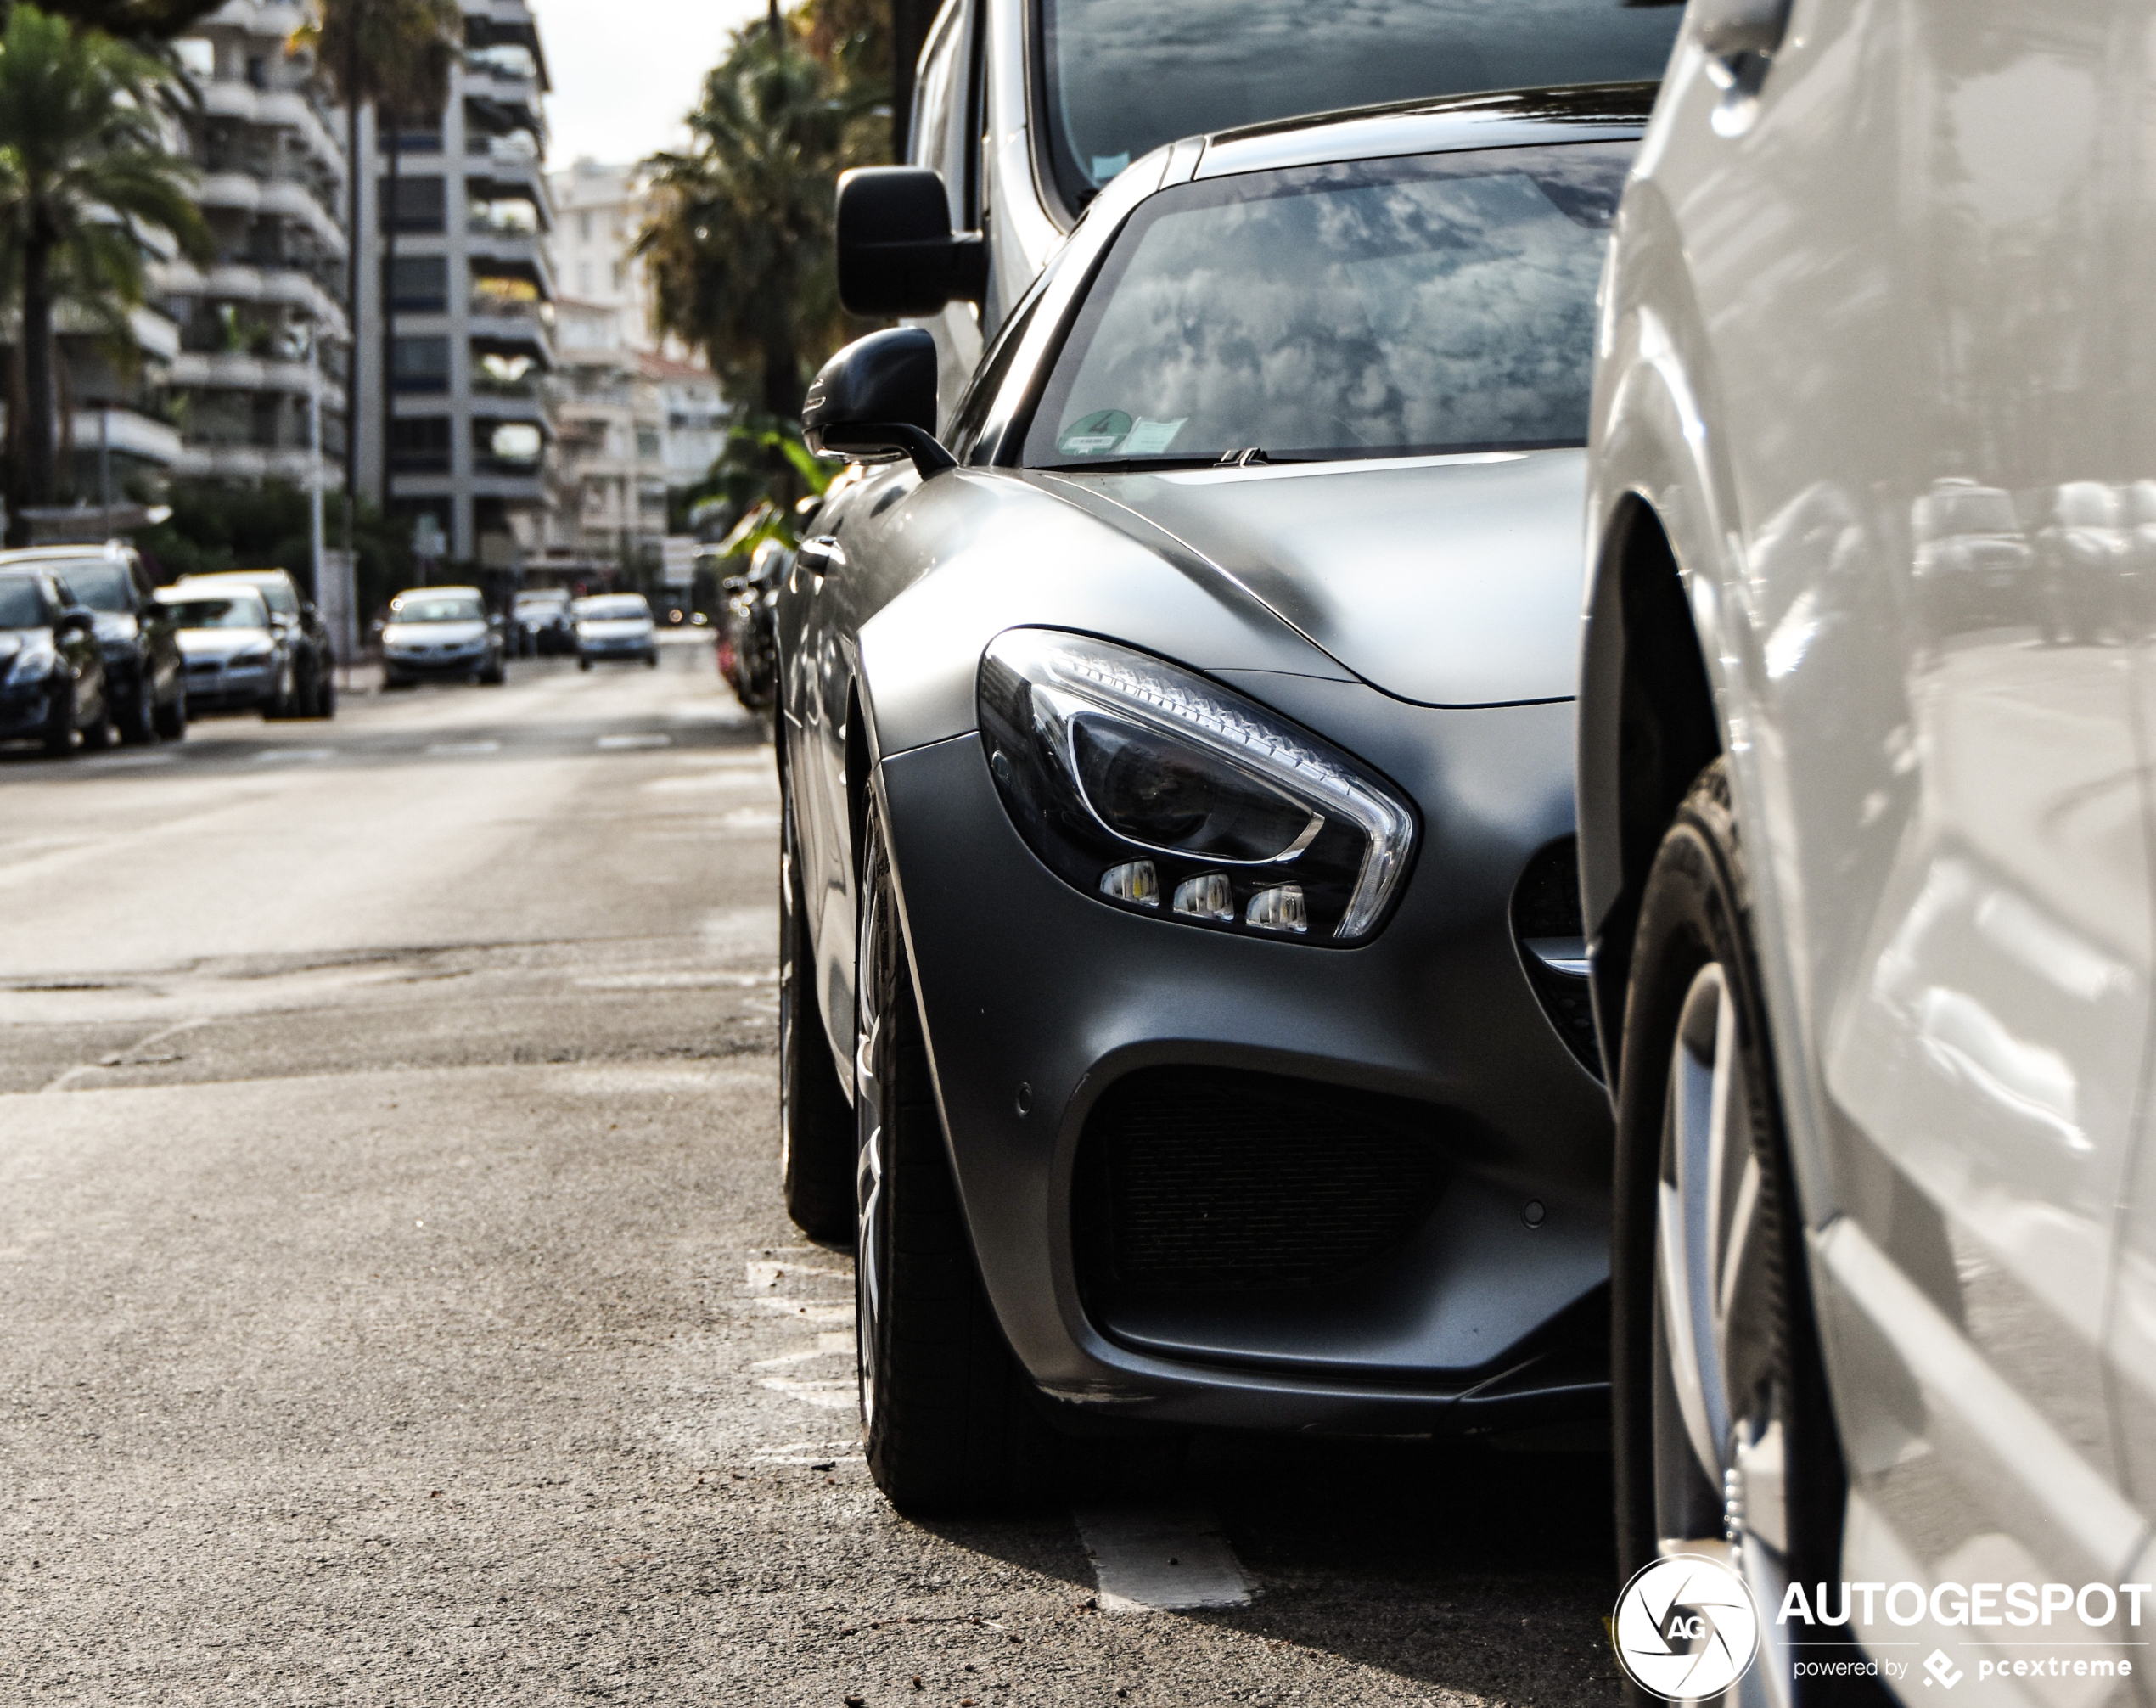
x=1024, y=108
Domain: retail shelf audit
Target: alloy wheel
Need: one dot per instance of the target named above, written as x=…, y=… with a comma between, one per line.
x=1722, y=1392
x=872, y=1237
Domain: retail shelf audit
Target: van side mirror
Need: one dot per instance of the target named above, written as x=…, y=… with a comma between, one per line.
x=874, y=401
x=897, y=254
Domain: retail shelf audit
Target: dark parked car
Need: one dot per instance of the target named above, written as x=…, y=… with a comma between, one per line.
x=1181, y=995
x=142, y=666
x=307, y=638
x=543, y=623
x=238, y=656
x=441, y=632
x=52, y=669
x=748, y=649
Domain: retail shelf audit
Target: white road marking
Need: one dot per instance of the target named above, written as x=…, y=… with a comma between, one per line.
x=114, y=762
x=453, y=749
x=278, y=756
x=1148, y=1559
x=829, y=1396
x=609, y=743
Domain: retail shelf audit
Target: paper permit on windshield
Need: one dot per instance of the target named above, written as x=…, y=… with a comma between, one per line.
x=1149, y=438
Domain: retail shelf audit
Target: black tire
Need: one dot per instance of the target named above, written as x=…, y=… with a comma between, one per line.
x=100, y=734
x=138, y=726
x=325, y=692
x=950, y=1419
x=583, y=664
x=171, y=718
x=59, y=734
x=651, y=660
x=1695, y=986
x=494, y=678
x=392, y=680
x=816, y=1125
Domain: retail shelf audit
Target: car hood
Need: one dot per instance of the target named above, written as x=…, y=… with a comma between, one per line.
x=434, y=634
x=1446, y=580
x=219, y=642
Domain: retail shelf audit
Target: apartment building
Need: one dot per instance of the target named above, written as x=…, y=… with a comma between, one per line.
x=639, y=416
x=470, y=302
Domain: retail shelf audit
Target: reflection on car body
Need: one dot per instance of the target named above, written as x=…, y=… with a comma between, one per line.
x=1207, y=728
x=52, y=666
x=142, y=658
x=238, y=658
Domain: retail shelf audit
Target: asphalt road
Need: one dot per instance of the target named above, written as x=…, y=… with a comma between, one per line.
x=398, y=1308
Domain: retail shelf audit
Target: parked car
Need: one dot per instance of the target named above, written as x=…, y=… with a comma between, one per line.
x=306, y=638
x=1207, y=719
x=434, y=632
x=142, y=667
x=748, y=649
x=615, y=625
x=239, y=657
x=1024, y=108
x=1865, y=821
x=543, y=621
x=51, y=668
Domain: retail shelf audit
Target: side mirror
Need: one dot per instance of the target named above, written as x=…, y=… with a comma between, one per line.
x=308, y=612
x=875, y=401
x=897, y=254
x=75, y=620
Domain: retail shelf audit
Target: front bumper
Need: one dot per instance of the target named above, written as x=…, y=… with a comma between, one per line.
x=636, y=647
x=24, y=707
x=1476, y=1320
x=463, y=662
x=214, y=686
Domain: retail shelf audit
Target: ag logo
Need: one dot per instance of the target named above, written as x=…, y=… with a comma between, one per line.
x=1685, y=1628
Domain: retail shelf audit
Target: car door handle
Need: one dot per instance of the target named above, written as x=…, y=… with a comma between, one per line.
x=821, y=555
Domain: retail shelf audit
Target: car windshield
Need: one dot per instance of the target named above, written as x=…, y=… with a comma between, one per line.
x=413, y=610
x=609, y=610
x=97, y=582
x=235, y=611
x=1402, y=307
x=1123, y=76
x=540, y=602
x=19, y=606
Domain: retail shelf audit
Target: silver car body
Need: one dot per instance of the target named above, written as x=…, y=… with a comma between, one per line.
x=1871, y=359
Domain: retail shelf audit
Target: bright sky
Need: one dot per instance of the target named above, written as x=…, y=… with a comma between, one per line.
x=626, y=71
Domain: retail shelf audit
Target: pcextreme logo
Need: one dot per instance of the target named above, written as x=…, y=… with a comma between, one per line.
x=1685, y=1628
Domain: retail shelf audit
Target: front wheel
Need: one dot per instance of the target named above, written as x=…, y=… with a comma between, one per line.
x=139, y=723
x=172, y=717
x=1725, y=1439
x=59, y=734
x=583, y=664
x=949, y=1423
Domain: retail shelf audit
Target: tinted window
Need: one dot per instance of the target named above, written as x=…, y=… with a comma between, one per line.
x=21, y=607
x=239, y=611
x=614, y=609
x=1126, y=76
x=100, y=584
x=445, y=608
x=1443, y=303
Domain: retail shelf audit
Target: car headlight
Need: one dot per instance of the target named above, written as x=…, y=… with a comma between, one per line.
x=1149, y=786
x=259, y=653
x=34, y=656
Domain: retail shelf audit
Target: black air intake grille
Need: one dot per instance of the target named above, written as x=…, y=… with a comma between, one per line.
x=1545, y=912
x=1210, y=1180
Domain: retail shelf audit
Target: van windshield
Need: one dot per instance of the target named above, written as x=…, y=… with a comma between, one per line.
x=1123, y=76
x=1432, y=304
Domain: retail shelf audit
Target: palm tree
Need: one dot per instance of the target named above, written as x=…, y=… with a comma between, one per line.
x=395, y=56
x=85, y=179
x=739, y=250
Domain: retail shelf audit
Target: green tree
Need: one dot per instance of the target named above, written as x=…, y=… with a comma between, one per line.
x=130, y=20
x=394, y=56
x=214, y=526
x=738, y=249
x=85, y=178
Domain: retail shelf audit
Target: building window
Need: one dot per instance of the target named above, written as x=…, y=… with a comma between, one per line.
x=421, y=204
x=420, y=364
x=583, y=278
x=419, y=444
x=584, y=227
x=617, y=275
x=419, y=284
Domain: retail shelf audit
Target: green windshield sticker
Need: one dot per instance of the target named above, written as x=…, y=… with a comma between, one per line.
x=1150, y=438
x=1091, y=436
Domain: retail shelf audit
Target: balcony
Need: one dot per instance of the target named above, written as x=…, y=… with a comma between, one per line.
x=286, y=287
x=233, y=370
x=243, y=462
x=281, y=109
x=282, y=195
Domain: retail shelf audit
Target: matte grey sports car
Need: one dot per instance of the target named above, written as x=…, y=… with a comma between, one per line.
x=1182, y=995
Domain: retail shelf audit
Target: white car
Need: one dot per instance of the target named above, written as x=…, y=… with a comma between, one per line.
x=1865, y=807
x=615, y=625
